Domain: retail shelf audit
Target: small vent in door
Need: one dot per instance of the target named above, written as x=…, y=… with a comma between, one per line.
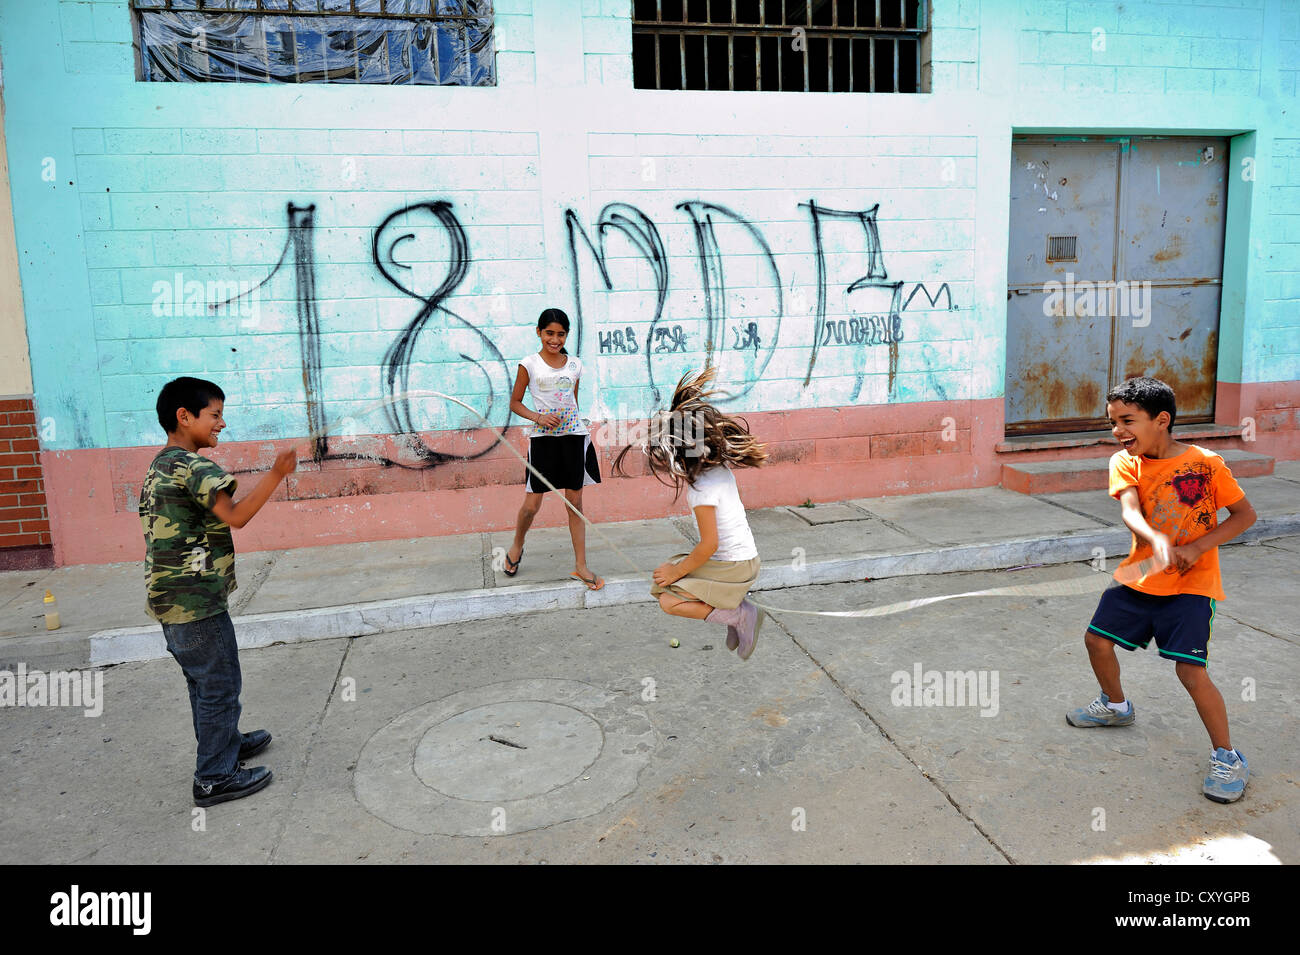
x=1062, y=248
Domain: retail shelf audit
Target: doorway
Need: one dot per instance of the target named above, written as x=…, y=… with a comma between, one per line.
x=1115, y=270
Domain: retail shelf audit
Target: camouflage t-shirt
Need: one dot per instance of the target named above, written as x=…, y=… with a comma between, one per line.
x=189, y=553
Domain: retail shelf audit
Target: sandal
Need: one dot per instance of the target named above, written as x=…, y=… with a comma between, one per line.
x=594, y=583
x=507, y=571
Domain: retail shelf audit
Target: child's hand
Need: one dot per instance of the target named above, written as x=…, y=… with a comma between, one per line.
x=286, y=462
x=1162, y=547
x=666, y=574
x=548, y=420
x=1183, y=557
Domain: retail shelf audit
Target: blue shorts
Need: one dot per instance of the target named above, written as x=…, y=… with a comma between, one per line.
x=1180, y=623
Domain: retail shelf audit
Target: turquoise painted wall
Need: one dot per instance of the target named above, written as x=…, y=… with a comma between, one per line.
x=130, y=198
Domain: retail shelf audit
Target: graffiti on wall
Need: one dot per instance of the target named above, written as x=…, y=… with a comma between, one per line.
x=753, y=338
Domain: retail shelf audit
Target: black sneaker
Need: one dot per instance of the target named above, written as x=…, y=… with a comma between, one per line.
x=253, y=743
x=243, y=783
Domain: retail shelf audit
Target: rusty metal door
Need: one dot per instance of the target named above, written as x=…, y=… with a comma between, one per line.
x=1115, y=268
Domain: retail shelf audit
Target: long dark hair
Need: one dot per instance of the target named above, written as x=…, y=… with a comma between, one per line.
x=554, y=316
x=693, y=436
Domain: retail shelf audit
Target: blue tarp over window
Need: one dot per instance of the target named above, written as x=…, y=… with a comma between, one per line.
x=185, y=45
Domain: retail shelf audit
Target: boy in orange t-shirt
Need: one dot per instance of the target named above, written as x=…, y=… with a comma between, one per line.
x=1170, y=494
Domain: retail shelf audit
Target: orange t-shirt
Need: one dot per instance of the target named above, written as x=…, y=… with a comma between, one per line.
x=1180, y=498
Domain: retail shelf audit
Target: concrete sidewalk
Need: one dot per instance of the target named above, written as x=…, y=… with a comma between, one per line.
x=348, y=590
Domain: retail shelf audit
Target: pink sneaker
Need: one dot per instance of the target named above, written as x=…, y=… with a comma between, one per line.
x=751, y=622
x=733, y=638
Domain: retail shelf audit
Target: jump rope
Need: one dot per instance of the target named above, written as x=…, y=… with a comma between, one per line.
x=1051, y=588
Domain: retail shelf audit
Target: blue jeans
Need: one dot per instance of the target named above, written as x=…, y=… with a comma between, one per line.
x=209, y=658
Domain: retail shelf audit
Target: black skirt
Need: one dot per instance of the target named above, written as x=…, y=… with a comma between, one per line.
x=568, y=461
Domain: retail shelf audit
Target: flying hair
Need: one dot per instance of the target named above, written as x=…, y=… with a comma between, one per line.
x=693, y=436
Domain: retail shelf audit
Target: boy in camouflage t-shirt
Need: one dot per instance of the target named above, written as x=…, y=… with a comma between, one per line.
x=186, y=511
x=190, y=555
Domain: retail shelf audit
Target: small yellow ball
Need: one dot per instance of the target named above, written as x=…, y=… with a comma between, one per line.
x=674, y=643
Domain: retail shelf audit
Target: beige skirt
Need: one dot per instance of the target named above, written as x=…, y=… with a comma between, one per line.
x=718, y=583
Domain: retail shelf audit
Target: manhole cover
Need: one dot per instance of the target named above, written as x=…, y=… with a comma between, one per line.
x=507, y=750
x=461, y=765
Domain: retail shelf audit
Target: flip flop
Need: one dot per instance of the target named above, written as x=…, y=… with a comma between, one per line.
x=507, y=571
x=595, y=583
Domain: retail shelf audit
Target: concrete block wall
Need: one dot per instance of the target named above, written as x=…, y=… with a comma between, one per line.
x=781, y=232
x=1141, y=46
x=177, y=221
x=954, y=45
x=1275, y=354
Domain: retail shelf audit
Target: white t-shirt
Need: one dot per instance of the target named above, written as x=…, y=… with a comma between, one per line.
x=716, y=488
x=554, y=391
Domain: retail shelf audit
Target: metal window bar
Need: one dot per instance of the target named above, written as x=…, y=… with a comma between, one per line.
x=706, y=27
x=807, y=7
x=658, y=14
x=871, y=60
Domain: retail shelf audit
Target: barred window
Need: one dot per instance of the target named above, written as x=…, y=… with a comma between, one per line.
x=412, y=42
x=837, y=46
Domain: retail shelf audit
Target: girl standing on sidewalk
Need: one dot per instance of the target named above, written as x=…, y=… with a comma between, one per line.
x=697, y=445
x=559, y=445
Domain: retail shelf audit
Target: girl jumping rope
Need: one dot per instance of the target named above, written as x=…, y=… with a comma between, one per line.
x=697, y=445
x=559, y=445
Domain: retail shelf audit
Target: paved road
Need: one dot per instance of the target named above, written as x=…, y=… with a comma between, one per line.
x=581, y=736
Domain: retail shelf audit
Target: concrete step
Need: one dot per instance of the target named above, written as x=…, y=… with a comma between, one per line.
x=1092, y=474
x=1211, y=436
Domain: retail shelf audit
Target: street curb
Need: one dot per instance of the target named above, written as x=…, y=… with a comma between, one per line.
x=131, y=644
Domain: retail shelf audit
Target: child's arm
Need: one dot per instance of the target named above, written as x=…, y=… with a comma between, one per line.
x=1240, y=516
x=706, y=517
x=1136, y=521
x=237, y=515
x=518, y=407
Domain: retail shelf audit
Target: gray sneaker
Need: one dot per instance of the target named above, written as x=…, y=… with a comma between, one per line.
x=1226, y=781
x=751, y=621
x=1097, y=713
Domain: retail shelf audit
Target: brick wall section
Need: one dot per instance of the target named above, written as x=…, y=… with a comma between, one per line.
x=24, y=520
x=1142, y=46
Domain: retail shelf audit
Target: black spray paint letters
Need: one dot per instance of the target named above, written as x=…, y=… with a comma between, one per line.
x=640, y=231
x=460, y=336
x=623, y=341
x=395, y=246
x=869, y=330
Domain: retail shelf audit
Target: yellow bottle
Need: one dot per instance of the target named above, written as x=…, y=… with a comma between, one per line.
x=51, y=612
